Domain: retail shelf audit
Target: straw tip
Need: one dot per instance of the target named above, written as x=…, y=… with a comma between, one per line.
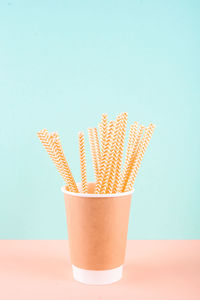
x=152, y=125
x=42, y=131
x=81, y=133
x=104, y=115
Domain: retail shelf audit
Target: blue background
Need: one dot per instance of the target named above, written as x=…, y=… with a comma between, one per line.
x=62, y=64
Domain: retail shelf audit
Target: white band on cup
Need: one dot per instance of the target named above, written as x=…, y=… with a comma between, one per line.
x=97, y=277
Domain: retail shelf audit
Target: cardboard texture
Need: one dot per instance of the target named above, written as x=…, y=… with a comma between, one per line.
x=97, y=229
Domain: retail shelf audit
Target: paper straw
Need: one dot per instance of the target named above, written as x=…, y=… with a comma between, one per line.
x=82, y=162
x=105, y=153
x=59, y=150
x=131, y=140
x=138, y=139
x=97, y=147
x=133, y=155
x=107, y=156
x=103, y=129
x=130, y=146
x=108, y=163
x=120, y=152
x=93, y=152
x=139, y=157
x=44, y=137
x=128, y=165
x=115, y=149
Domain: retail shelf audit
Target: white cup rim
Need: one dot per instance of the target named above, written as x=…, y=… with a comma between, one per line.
x=96, y=195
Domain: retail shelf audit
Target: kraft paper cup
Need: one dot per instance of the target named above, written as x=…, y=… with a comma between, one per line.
x=97, y=229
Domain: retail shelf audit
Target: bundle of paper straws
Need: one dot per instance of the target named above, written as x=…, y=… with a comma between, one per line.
x=107, y=155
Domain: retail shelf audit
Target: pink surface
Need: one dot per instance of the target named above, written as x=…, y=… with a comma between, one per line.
x=153, y=270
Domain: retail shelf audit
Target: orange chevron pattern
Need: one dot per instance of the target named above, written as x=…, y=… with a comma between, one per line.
x=44, y=137
x=130, y=147
x=104, y=160
x=97, y=147
x=120, y=152
x=115, y=149
x=64, y=163
x=103, y=130
x=139, y=157
x=108, y=162
x=82, y=161
x=51, y=147
x=107, y=156
x=93, y=152
x=132, y=157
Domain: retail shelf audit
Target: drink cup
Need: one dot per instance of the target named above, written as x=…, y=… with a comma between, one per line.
x=97, y=231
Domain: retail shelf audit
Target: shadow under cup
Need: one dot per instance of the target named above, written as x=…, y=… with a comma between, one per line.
x=97, y=229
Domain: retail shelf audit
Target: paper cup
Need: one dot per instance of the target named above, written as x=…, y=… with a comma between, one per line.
x=97, y=229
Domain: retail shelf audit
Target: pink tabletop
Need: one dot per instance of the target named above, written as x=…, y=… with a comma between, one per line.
x=153, y=270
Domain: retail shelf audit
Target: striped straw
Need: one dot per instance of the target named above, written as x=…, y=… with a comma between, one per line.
x=130, y=146
x=131, y=158
x=108, y=162
x=44, y=137
x=52, y=149
x=104, y=160
x=59, y=150
x=120, y=152
x=115, y=149
x=93, y=152
x=103, y=130
x=82, y=161
x=97, y=147
x=140, y=154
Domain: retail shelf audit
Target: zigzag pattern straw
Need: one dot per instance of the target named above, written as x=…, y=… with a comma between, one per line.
x=82, y=162
x=66, y=169
x=51, y=148
x=132, y=157
x=131, y=140
x=103, y=130
x=139, y=157
x=97, y=147
x=130, y=147
x=44, y=137
x=105, y=151
x=115, y=149
x=93, y=152
x=138, y=140
x=107, y=156
x=108, y=162
x=120, y=152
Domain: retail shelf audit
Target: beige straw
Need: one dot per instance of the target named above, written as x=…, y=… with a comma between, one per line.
x=120, y=152
x=131, y=140
x=104, y=159
x=82, y=162
x=107, y=156
x=103, y=129
x=44, y=137
x=130, y=146
x=60, y=153
x=130, y=162
x=93, y=152
x=140, y=154
x=108, y=162
x=97, y=147
x=115, y=149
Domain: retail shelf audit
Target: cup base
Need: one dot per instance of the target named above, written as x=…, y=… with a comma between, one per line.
x=97, y=277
